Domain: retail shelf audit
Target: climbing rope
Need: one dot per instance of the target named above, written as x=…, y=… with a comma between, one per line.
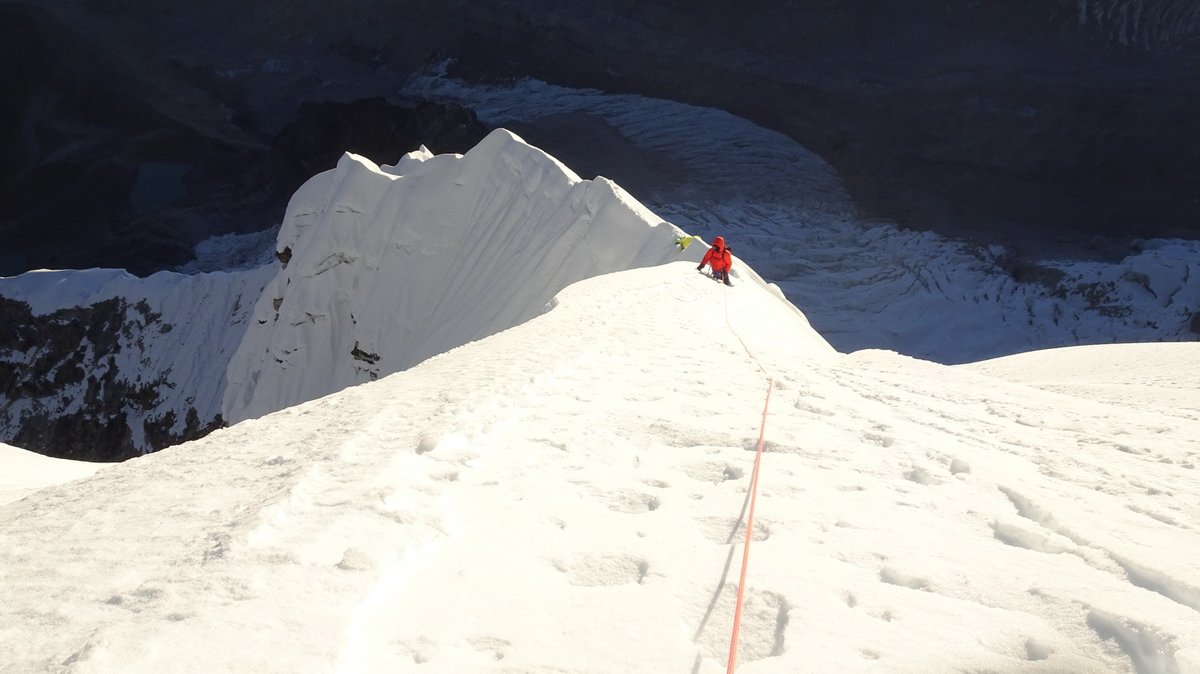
x=758, y=452
x=741, y=591
x=749, y=353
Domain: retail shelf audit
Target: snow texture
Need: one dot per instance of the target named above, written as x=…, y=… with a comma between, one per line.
x=557, y=480
x=233, y=252
x=565, y=496
x=25, y=472
x=391, y=266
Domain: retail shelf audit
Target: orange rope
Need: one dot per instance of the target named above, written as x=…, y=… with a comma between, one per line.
x=737, y=612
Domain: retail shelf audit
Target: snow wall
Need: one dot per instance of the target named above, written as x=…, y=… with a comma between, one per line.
x=388, y=266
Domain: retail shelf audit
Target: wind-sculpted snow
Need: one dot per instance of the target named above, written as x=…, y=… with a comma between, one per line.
x=382, y=269
x=862, y=284
x=567, y=497
x=388, y=267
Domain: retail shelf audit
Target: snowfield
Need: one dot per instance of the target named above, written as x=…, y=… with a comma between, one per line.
x=493, y=420
x=25, y=472
x=564, y=496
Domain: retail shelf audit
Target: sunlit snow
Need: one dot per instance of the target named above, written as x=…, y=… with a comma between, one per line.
x=22, y=472
x=557, y=482
x=564, y=497
x=392, y=265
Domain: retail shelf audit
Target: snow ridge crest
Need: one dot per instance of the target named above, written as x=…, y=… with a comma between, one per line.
x=388, y=266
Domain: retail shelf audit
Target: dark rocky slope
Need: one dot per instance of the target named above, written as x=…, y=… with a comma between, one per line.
x=75, y=402
x=1020, y=121
x=117, y=154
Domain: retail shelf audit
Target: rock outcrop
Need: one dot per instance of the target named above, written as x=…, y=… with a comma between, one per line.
x=102, y=366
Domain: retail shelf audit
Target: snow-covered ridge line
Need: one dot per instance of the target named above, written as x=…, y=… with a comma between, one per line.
x=387, y=267
x=581, y=476
x=381, y=268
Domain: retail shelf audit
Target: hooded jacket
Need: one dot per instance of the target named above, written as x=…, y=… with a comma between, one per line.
x=718, y=256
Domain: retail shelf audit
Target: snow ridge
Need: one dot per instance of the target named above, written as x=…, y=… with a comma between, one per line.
x=387, y=267
x=525, y=502
x=863, y=284
x=379, y=269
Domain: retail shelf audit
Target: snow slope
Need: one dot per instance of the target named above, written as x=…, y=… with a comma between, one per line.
x=391, y=266
x=25, y=472
x=1151, y=375
x=563, y=496
x=863, y=284
x=385, y=268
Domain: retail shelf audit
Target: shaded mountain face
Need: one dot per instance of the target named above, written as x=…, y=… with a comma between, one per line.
x=136, y=129
x=1023, y=120
x=116, y=155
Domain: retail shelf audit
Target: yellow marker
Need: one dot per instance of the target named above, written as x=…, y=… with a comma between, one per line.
x=683, y=242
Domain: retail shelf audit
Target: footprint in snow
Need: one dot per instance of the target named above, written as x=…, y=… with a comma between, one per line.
x=922, y=475
x=765, y=618
x=629, y=501
x=598, y=570
x=893, y=576
x=714, y=471
x=878, y=439
x=1036, y=650
x=724, y=530
x=495, y=646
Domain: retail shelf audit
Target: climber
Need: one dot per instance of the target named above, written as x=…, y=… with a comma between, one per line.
x=718, y=257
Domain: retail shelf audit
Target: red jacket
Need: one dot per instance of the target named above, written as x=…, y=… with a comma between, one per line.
x=718, y=256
